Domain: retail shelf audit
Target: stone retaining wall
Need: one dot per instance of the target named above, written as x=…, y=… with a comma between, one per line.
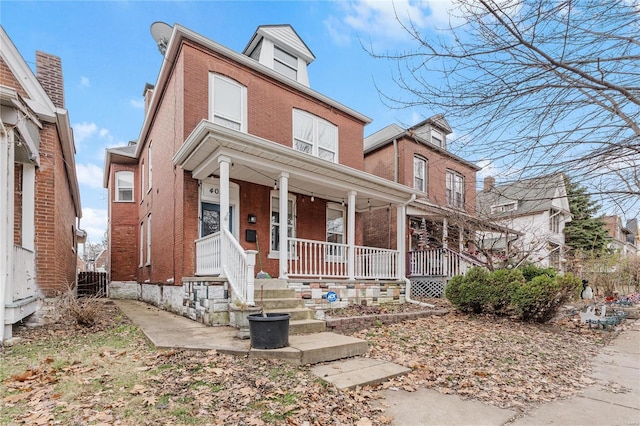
x=350, y=325
x=315, y=293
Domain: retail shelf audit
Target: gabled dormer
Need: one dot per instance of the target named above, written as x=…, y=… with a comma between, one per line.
x=434, y=130
x=280, y=48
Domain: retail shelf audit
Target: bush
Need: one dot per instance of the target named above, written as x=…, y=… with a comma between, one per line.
x=508, y=292
x=84, y=311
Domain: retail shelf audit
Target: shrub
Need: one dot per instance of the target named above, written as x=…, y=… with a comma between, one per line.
x=82, y=311
x=539, y=299
x=509, y=292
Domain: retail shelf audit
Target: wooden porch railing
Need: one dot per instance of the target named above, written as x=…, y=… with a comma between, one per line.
x=321, y=259
x=23, y=284
x=221, y=254
x=439, y=262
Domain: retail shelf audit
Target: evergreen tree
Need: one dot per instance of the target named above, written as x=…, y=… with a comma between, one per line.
x=585, y=232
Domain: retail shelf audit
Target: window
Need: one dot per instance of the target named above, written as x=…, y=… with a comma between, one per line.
x=227, y=102
x=275, y=220
x=124, y=186
x=455, y=189
x=149, y=240
x=506, y=207
x=141, y=262
x=554, y=220
x=315, y=136
x=419, y=174
x=285, y=63
x=335, y=231
x=142, y=176
x=437, y=138
x=150, y=168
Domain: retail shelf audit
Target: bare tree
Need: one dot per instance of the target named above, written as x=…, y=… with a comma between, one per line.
x=536, y=86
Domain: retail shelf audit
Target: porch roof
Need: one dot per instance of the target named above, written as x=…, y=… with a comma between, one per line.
x=262, y=161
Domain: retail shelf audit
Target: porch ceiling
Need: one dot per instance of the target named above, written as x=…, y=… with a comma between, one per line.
x=261, y=161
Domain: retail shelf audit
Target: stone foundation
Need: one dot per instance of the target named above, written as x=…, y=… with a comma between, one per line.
x=371, y=293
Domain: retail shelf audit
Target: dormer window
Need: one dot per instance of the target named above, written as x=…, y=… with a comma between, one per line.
x=506, y=207
x=285, y=63
x=437, y=138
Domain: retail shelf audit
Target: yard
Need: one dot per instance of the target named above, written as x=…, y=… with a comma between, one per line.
x=109, y=374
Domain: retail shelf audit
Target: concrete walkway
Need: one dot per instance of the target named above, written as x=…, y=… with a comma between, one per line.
x=614, y=398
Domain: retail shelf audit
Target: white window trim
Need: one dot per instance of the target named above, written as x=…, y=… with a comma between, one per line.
x=284, y=63
x=117, y=187
x=451, y=201
x=275, y=254
x=149, y=170
x=337, y=207
x=142, y=176
x=314, y=143
x=141, y=262
x=504, y=207
x=424, y=169
x=148, y=240
x=243, y=100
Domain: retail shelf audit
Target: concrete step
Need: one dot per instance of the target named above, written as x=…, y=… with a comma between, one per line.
x=307, y=326
x=346, y=374
x=282, y=304
x=274, y=293
x=273, y=283
x=296, y=313
x=314, y=348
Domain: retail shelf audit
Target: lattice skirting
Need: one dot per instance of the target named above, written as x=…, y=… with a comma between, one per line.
x=427, y=287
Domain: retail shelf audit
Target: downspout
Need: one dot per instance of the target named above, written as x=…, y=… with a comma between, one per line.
x=407, y=281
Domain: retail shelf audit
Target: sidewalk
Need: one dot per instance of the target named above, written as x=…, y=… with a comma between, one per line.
x=613, y=400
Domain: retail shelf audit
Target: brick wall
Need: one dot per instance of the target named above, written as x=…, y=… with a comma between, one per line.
x=123, y=230
x=8, y=79
x=17, y=200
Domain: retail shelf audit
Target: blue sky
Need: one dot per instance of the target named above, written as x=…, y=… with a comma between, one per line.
x=108, y=55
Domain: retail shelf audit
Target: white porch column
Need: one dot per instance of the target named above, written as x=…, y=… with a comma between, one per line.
x=401, y=246
x=224, y=162
x=460, y=239
x=283, y=224
x=445, y=233
x=351, y=236
x=28, y=206
x=6, y=224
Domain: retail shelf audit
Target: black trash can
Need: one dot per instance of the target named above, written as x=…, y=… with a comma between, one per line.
x=270, y=331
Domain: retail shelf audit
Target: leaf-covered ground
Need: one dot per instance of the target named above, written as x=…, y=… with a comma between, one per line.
x=109, y=374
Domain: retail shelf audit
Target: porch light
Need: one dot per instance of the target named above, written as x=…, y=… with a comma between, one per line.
x=275, y=185
x=312, y=198
x=252, y=218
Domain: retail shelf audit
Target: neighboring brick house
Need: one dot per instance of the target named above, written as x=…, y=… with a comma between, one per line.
x=39, y=195
x=237, y=153
x=538, y=208
x=622, y=237
x=441, y=221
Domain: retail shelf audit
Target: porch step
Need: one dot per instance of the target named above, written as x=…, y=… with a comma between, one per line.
x=271, y=293
x=296, y=313
x=282, y=303
x=314, y=348
x=307, y=326
x=269, y=284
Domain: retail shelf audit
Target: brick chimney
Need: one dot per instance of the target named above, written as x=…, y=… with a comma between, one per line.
x=148, y=94
x=489, y=183
x=49, y=73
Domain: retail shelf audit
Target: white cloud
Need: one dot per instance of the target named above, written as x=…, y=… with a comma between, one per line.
x=83, y=131
x=84, y=82
x=89, y=175
x=94, y=222
x=382, y=19
x=137, y=103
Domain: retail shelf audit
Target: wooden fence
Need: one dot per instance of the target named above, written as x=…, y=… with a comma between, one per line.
x=92, y=284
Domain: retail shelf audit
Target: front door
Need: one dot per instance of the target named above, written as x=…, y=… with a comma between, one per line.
x=211, y=219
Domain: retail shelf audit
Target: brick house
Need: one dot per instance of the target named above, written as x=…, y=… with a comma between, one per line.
x=39, y=194
x=622, y=238
x=441, y=221
x=538, y=208
x=240, y=165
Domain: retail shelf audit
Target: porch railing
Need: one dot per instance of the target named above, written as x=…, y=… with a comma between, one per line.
x=311, y=258
x=238, y=267
x=376, y=263
x=439, y=262
x=23, y=284
x=221, y=254
x=208, y=255
x=321, y=259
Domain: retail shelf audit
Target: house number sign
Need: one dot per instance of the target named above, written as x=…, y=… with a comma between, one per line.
x=332, y=296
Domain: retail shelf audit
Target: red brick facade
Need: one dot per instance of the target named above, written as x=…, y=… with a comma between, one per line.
x=173, y=200
x=55, y=207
